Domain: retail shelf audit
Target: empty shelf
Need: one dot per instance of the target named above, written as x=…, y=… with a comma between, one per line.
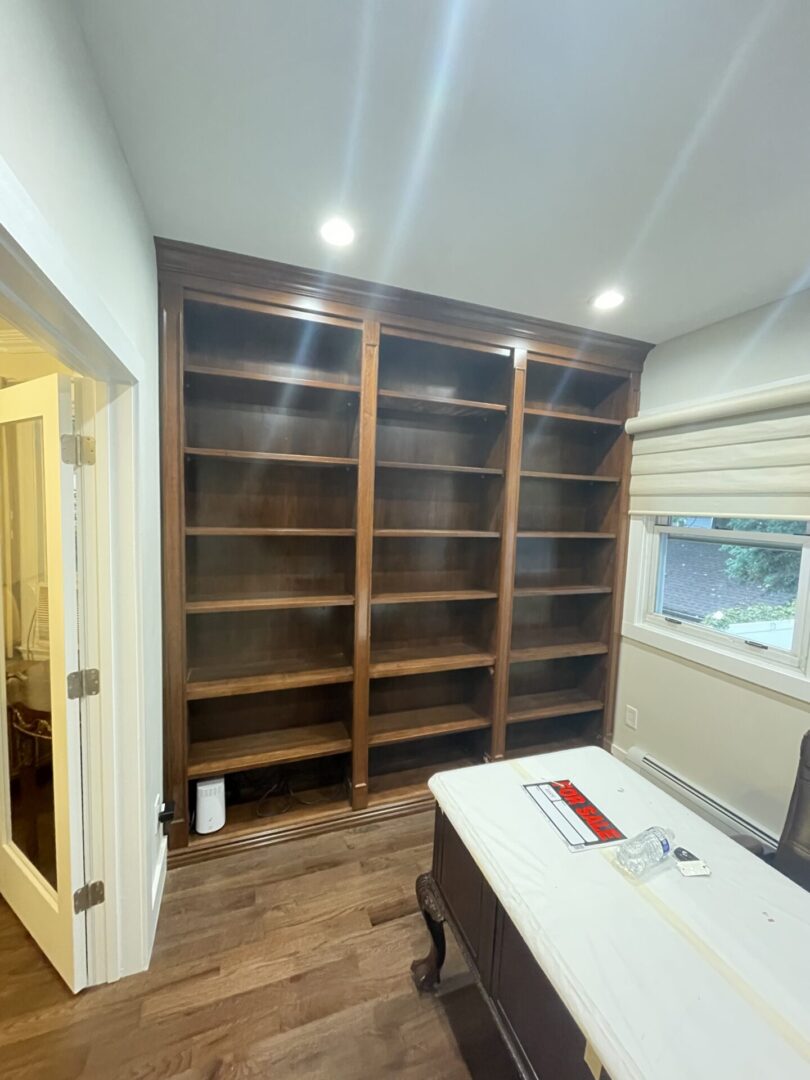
x=266, y=603
x=279, y=816
x=551, y=703
x=249, y=530
x=284, y=380
x=557, y=414
x=543, y=534
x=230, y=685
x=401, y=399
x=259, y=455
x=433, y=597
x=422, y=658
x=579, y=478
x=480, y=470
x=557, y=650
x=410, y=784
x=216, y=756
x=469, y=534
x=562, y=590
x=422, y=723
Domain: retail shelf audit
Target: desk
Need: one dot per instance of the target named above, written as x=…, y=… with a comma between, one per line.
x=679, y=977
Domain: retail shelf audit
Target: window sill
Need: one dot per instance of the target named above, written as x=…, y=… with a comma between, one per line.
x=789, y=682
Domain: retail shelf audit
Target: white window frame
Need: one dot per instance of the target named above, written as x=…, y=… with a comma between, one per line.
x=776, y=669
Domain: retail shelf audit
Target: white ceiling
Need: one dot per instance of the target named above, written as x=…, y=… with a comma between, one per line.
x=518, y=153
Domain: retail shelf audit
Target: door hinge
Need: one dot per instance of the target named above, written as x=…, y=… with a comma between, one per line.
x=84, y=683
x=78, y=450
x=89, y=895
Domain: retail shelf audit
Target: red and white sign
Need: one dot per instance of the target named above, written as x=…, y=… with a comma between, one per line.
x=580, y=823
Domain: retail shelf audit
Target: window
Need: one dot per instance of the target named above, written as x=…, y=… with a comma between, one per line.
x=740, y=584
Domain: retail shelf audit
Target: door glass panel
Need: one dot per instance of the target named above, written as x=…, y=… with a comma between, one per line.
x=27, y=644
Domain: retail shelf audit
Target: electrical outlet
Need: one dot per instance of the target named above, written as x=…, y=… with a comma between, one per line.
x=631, y=717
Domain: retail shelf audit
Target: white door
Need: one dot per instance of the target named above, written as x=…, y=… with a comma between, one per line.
x=41, y=832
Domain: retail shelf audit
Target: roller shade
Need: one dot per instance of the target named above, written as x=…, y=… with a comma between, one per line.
x=739, y=457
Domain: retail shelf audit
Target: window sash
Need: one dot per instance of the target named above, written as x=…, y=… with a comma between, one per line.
x=658, y=533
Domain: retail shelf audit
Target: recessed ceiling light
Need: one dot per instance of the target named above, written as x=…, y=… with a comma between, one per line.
x=337, y=231
x=607, y=300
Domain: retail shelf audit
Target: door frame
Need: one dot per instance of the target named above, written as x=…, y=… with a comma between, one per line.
x=118, y=840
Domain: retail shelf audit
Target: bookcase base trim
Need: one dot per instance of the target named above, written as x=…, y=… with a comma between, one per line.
x=332, y=821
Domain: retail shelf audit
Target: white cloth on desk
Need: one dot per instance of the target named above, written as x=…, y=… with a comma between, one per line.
x=679, y=977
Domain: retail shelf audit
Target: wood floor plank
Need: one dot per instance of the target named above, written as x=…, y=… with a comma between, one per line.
x=284, y=962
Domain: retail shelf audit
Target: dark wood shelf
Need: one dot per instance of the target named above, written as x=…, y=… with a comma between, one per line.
x=574, y=742
x=479, y=470
x=556, y=651
x=551, y=703
x=266, y=603
x=424, y=657
x=217, y=756
x=468, y=534
x=562, y=590
x=281, y=817
x=216, y=684
x=438, y=596
x=246, y=530
x=433, y=403
x=258, y=455
x=577, y=478
x=409, y=785
x=533, y=534
x=423, y=723
x=557, y=414
x=282, y=380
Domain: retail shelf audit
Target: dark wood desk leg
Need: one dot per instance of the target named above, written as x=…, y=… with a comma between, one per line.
x=427, y=972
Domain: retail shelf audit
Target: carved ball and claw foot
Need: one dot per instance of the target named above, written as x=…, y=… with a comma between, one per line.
x=427, y=971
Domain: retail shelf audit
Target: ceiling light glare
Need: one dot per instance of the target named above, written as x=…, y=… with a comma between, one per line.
x=337, y=231
x=607, y=300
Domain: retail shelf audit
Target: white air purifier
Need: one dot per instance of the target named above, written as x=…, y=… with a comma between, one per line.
x=210, y=815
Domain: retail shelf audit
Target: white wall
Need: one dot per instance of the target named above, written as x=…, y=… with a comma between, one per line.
x=768, y=344
x=68, y=200
x=737, y=741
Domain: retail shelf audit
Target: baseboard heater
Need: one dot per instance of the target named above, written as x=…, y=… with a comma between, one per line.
x=726, y=819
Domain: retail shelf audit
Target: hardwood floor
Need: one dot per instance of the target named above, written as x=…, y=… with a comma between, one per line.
x=285, y=962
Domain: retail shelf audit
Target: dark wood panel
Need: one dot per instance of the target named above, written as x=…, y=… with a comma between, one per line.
x=234, y=645
x=402, y=770
x=418, y=706
x=247, y=568
x=437, y=440
x=365, y=540
x=469, y=898
x=271, y=342
x=172, y=520
x=437, y=500
x=507, y=555
x=236, y=752
x=533, y=1010
x=350, y=508
x=425, y=565
x=412, y=366
x=244, y=494
x=270, y=418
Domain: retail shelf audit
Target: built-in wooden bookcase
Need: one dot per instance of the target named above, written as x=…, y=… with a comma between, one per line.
x=393, y=541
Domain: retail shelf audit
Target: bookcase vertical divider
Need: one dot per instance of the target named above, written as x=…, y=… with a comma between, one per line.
x=620, y=567
x=173, y=523
x=363, y=552
x=506, y=571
